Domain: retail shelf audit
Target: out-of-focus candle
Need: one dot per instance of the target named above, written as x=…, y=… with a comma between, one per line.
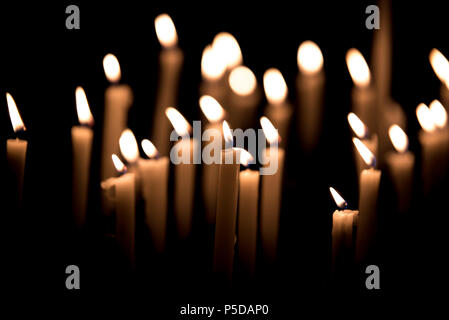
x=82, y=136
x=118, y=99
x=440, y=66
x=170, y=64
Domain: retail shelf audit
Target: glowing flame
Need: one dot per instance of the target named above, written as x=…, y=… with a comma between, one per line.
x=212, y=66
x=227, y=134
x=245, y=158
x=128, y=146
x=364, y=152
x=111, y=68
x=242, y=81
x=341, y=203
x=440, y=65
x=228, y=49
x=149, y=148
x=179, y=123
x=310, y=58
x=82, y=107
x=439, y=114
x=425, y=118
x=211, y=109
x=398, y=138
x=357, y=125
x=358, y=68
x=118, y=164
x=275, y=86
x=271, y=133
x=166, y=31
x=16, y=119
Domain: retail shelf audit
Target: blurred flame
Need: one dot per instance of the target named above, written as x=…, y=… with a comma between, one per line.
x=179, y=123
x=166, y=31
x=118, y=164
x=82, y=107
x=212, y=66
x=245, y=157
x=341, y=203
x=128, y=146
x=358, y=68
x=440, y=65
x=111, y=68
x=271, y=133
x=227, y=49
x=149, y=148
x=357, y=125
x=398, y=138
x=16, y=119
x=275, y=86
x=425, y=118
x=213, y=111
x=242, y=81
x=227, y=134
x=364, y=152
x=310, y=58
x=439, y=114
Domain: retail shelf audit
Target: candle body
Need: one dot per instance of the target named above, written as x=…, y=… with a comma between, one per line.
x=81, y=152
x=371, y=144
x=401, y=172
x=343, y=223
x=280, y=116
x=216, y=88
x=243, y=109
x=364, y=106
x=16, y=154
x=444, y=96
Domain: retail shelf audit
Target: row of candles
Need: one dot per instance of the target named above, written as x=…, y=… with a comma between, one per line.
x=231, y=195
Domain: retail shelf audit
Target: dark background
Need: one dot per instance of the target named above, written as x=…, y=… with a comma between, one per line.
x=41, y=64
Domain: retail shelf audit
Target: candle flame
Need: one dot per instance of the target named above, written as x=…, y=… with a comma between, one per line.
x=213, y=111
x=398, y=138
x=439, y=114
x=149, y=148
x=245, y=158
x=228, y=49
x=166, y=31
x=310, y=58
x=82, y=107
x=212, y=66
x=227, y=134
x=440, y=65
x=357, y=125
x=242, y=81
x=128, y=146
x=111, y=68
x=425, y=118
x=275, y=87
x=118, y=164
x=364, y=152
x=358, y=68
x=16, y=119
x=179, y=123
x=271, y=133
x=341, y=203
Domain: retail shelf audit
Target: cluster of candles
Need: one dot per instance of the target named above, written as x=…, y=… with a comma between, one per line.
x=230, y=191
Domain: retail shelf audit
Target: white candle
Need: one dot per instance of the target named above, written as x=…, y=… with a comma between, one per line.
x=82, y=136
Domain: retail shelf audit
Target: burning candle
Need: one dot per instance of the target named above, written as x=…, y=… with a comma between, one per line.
x=118, y=99
x=170, y=64
x=130, y=152
x=16, y=149
x=82, y=136
x=440, y=66
x=310, y=86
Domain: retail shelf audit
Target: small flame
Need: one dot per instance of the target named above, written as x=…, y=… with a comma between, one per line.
x=398, y=138
x=128, y=146
x=364, y=152
x=111, y=68
x=166, y=31
x=16, y=119
x=357, y=125
x=213, y=111
x=440, y=65
x=149, y=148
x=439, y=114
x=425, y=117
x=118, y=164
x=341, y=203
x=245, y=157
x=310, y=58
x=227, y=134
x=82, y=107
x=179, y=123
x=271, y=133
x=228, y=49
x=275, y=86
x=212, y=66
x=358, y=68
x=242, y=81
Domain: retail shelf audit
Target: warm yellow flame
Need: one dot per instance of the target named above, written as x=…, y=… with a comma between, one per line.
x=398, y=138
x=310, y=58
x=82, y=107
x=227, y=133
x=364, y=152
x=16, y=119
x=358, y=68
x=118, y=164
x=242, y=81
x=244, y=156
x=166, y=31
x=179, y=123
x=275, y=87
x=128, y=146
x=425, y=118
x=212, y=66
x=271, y=133
x=228, y=49
x=149, y=148
x=341, y=203
x=213, y=111
x=111, y=68
x=439, y=114
x=440, y=65
x=357, y=125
